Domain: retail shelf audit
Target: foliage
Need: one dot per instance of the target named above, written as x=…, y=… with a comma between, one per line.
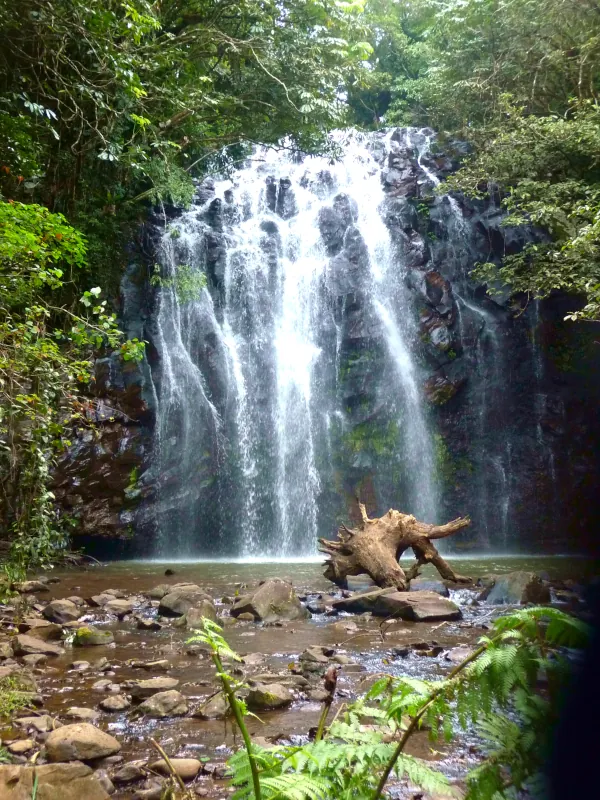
x=45, y=352
x=495, y=688
x=103, y=106
x=187, y=282
x=15, y=695
x=519, y=79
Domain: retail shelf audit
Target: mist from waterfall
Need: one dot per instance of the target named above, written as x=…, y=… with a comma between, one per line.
x=273, y=322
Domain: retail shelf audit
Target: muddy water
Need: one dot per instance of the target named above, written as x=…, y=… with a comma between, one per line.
x=369, y=645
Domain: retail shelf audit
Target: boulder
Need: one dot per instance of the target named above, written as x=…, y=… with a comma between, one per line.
x=186, y=768
x=88, y=636
x=35, y=659
x=165, y=704
x=61, y=611
x=25, y=645
x=516, y=588
x=21, y=746
x=458, y=654
x=54, y=782
x=216, y=707
x=100, y=600
x=159, y=591
x=272, y=601
x=80, y=742
x=142, y=689
x=180, y=599
x=264, y=696
x=413, y=606
x=114, y=703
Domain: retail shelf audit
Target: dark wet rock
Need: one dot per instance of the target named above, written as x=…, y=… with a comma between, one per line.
x=142, y=689
x=264, y=696
x=115, y=703
x=88, y=636
x=180, y=599
x=29, y=645
x=82, y=714
x=80, y=742
x=129, y=773
x=272, y=601
x=317, y=607
x=246, y=616
x=185, y=768
x=165, y=704
x=61, y=611
x=144, y=624
x=421, y=585
x=516, y=588
x=53, y=781
x=400, y=652
x=415, y=606
x=216, y=707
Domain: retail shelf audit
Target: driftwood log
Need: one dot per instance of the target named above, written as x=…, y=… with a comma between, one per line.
x=375, y=546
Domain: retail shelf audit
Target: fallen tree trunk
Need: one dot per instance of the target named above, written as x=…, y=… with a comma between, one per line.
x=376, y=545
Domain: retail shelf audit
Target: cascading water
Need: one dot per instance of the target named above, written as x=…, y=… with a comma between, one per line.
x=305, y=284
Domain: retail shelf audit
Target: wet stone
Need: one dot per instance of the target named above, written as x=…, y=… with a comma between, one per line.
x=142, y=689
x=80, y=742
x=115, y=703
x=165, y=704
x=82, y=714
x=186, y=768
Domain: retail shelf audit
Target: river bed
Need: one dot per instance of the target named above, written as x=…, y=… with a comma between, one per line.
x=371, y=647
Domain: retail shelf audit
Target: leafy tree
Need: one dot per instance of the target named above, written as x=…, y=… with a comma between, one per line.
x=519, y=79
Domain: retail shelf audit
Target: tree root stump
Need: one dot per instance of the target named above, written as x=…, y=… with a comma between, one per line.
x=376, y=545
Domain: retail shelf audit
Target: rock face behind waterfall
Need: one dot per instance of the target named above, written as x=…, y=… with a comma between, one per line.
x=314, y=332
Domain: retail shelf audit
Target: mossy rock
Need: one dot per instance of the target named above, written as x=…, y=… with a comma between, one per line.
x=89, y=636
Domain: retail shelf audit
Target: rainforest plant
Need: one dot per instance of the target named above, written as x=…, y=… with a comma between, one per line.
x=509, y=688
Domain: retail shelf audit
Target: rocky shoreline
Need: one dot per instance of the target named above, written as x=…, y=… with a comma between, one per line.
x=88, y=679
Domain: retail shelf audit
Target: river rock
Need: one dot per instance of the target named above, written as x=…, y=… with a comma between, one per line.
x=216, y=707
x=264, y=696
x=119, y=608
x=80, y=742
x=272, y=601
x=6, y=650
x=35, y=659
x=21, y=746
x=165, y=704
x=129, y=773
x=82, y=714
x=61, y=611
x=159, y=591
x=100, y=600
x=72, y=781
x=429, y=586
x=143, y=624
x=186, y=768
x=142, y=689
x=194, y=616
x=29, y=645
x=414, y=606
x=180, y=599
x=29, y=587
x=458, y=654
x=41, y=629
x=114, y=703
x=41, y=724
x=516, y=588
x=89, y=636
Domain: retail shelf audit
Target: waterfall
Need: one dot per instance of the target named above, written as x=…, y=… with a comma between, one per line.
x=260, y=376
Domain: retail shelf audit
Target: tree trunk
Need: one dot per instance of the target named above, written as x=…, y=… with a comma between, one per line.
x=376, y=545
